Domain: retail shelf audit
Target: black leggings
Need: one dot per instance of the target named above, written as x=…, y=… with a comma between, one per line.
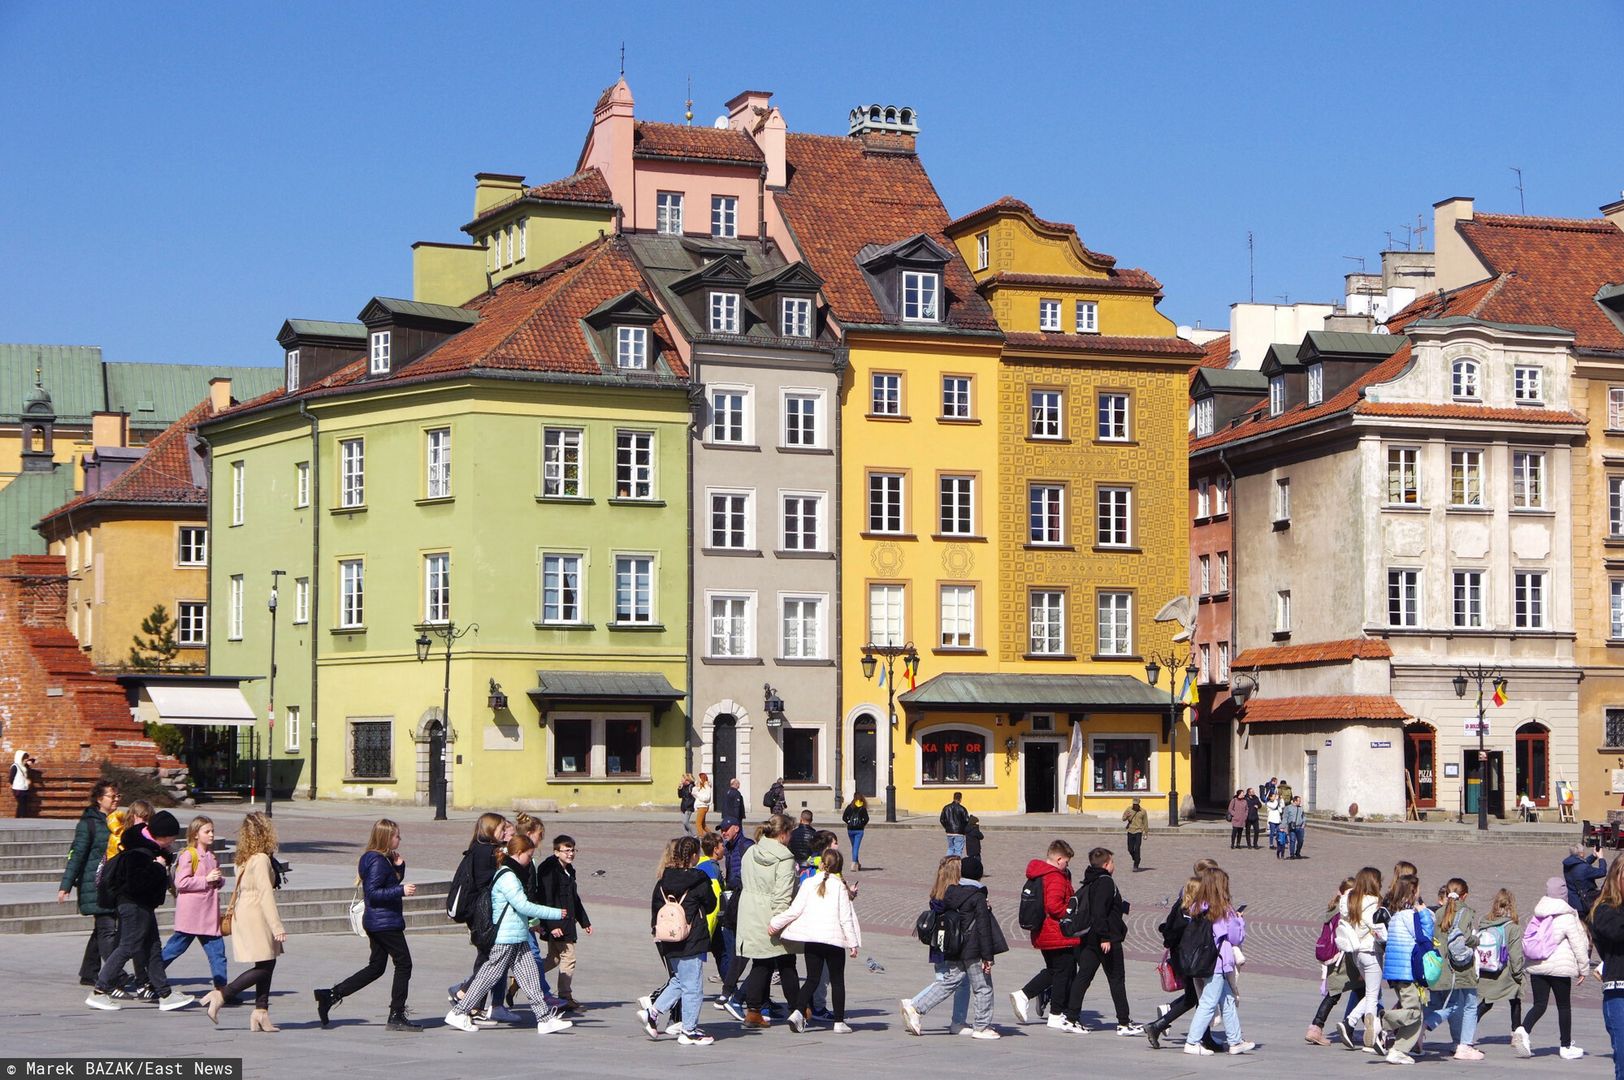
x=760, y=980
x=1235, y=836
x=386, y=945
x=1546, y=986
x=818, y=957
x=1483, y=1008
x=1251, y=834
x=259, y=977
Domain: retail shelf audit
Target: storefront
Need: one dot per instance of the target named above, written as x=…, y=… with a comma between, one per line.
x=216, y=723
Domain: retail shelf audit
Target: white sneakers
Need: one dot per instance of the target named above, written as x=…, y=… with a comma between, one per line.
x=1520, y=1044
x=1022, y=1006
x=696, y=1037
x=1197, y=1049
x=1072, y=1029
x=674, y=1027
x=1399, y=1057
x=986, y=1033
x=553, y=1023
x=1467, y=1052
x=910, y=1017
x=1130, y=1029
x=841, y=1028
x=461, y=1021
x=1056, y=1020
x=1243, y=1048
x=1572, y=1053
x=98, y=1000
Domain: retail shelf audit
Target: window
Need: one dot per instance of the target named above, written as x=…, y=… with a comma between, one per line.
x=437, y=587
x=957, y=505
x=801, y=420
x=724, y=216
x=1088, y=317
x=1206, y=659
x=1049, y=316
x=730, y=520
x=351, y=594
x=1203, y=497
x=885, y=502
x=1528, y=383
x=524, y=237
x=1277, y=395
x=953, y=757
x=1615, y=408
x=1403, y=476
x=1616, y=606
x=438, y=481
x=236, y=492
x=730, y=634
x=955, y=397
x=235, y=611
x=194, y=545
x=379, y=364
x=561, y=463
x=724, y=313
x=1121, y=764
x=561, y=588
x=1113, y=523
x=634, y=589
x=1282, y=611
x=572, y=747
x=301, y=600
x=668, y=213
x=1615, y=728
x=191, y=624
x=1282, y=499
x=1466, y=478
x=634, y=464
x=885, y=614
x=727, y=416
x=958, y=621
x=352, y=473
x=1403, y=598
x=1527, y=480
x=301, y=485
x=1115, y=624
x=1203, y=416
x=1223, y=662
x=631, y=348
x=919, y=296
x=1220, y=496
x=1046, y=515
x=800, y=754
x=372, y=749
x=1529, y=599
x=1615, y=506
x=1316, y=383
x=983, y=254
x=1223, y=571
x=1205, y=563
x=293, y=370
x=1045, y=414
x=1113, y=418
x=885, y=394
x=795, y=316
x=510, y=245
x=1048, y=622
x=803, y=628
x=293, y=728
x=622, y=746
x=802, y=519
x=1464, y=380
x=1468, y=598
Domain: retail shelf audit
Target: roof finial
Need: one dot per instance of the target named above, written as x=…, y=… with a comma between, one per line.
x=688, y=117
x=39, y=372
x=622, y=59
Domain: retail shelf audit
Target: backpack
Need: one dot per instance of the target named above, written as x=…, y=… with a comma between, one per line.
x=671, y=921
x=108, y=880
x=1325, y=949
x=459, y=899
x=482, y=921
x=1031, y=913
x=1462, y=956
x=1491, y=952
x=1072, y=923
x=1198, y=948
x=942, y=931
x=1172, y=927
x=1540, y=939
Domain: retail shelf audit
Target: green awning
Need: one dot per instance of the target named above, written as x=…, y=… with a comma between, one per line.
x=556, y=688
x=959, y=692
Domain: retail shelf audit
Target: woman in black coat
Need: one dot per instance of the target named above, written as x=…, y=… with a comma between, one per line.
x=90, y=838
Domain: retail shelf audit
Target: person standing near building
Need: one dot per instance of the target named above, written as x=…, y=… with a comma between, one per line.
x=1274, y=809
x=1253, y=806
x=1138, y=823
x=1294, y=821
x=22, y=782
x=1239, y=809
x=955, y=820
x=685, y=802
x=856, y=818
x=382, y=872
x=91, y=837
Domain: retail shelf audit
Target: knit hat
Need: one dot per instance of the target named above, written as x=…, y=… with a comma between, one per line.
x=970, y=867
x=163, y=823
x=1556, y=888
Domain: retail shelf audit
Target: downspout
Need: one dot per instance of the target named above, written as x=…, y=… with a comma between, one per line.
x=1234, y=579
x=315, y=582
x=841, y=361
x=696, y=395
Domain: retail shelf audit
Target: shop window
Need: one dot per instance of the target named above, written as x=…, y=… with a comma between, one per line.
x=1122, y=764
x=953, y=756
x=800, y=755
x=598, y=747
x=622, y=747
x=572, y=747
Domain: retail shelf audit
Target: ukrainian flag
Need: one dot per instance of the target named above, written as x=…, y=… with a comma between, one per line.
x=1189, y=695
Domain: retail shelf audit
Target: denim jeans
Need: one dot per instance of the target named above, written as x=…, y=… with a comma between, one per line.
x=1216, y=996
x=1612, y=1013
x=955, y=844
x=1459, y=1007
x=952, y=975
x=1274, y=835
x=1296, y=840
x=214, y=947
x=855, y=838
x=686, y=986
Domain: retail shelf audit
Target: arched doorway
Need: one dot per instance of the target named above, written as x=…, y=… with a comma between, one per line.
x=724, y=751
x=1534, y=763
x=1421, y=765
x=430, y=737
x=865, y=756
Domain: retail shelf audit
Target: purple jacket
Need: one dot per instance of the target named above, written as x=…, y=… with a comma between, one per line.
x=1229, y=932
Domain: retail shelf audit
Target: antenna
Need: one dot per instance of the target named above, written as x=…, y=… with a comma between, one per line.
x=1389, y=234
x=1420, y=231
x=622, y=59
x=1522, y=205
x=1251, y=267
x=1360, y=259
x=688, y=116
x=1284, y=298
x=1409, y=238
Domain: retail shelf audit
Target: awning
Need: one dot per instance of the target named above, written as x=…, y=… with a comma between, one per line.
x=205, y=706
x=961, y=692
x=647, y=688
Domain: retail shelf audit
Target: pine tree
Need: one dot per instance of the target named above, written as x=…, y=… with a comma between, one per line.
x=156, y=651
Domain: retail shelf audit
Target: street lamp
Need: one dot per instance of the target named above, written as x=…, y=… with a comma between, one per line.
x=909, y=655
x=1174, y=663
x=439, y=743
x=1462, y=679
x=270, y=698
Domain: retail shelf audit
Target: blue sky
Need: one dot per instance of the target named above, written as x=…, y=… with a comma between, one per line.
x=175, y=180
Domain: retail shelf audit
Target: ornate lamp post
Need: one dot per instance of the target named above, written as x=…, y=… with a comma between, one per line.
x=1462, y=679
x=872, y=654
x=1174, y=663
x=439, y=745
x=270, y=698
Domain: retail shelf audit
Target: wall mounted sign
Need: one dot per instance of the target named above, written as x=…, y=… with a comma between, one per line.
x=1381, y=745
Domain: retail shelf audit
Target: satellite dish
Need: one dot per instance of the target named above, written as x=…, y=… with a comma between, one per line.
x=721, y=122
x=1182, y=610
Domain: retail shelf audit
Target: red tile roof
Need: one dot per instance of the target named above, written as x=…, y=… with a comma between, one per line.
x=1347, y=707
x=1009, y=202
x=1104, y=344
x=587, y=187
x=162, y=476
x=1129, y=280
x=840, y=198
x=658, y=140
x=1215, y=353
x=1324, y=652
x=1443, y=305
x=1467, y=412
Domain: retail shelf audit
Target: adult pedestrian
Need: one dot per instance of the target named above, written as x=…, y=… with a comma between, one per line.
x=22, y=782
x=1214, y=914
x=1555, y=974
x=704, y=795
x=197, y=901
x=1454, y=997
x=856, y=818
x=1172, y=930
x=1138, y=824
x=732, y=804
x=559, y=888
x=382, y=875
x=775, y=800
x=1607, y=927
x=1253, y=806
x=734, y=846
x=1052, y=873
x=981, y=941
x=685, y=802
x=768, y=880
x=90, y=840
x=257, y=933
x=1283, y=792
x=1356, y=936
x=1294, y=823
x=1583, y=871
x=1408, y=921
x=824, y=920
x=683, y=938
x=800, y=839
x=955, y=821
x=480, y=861
x=138, y=880
x=1274, y=809
x=1101, y=908
x=1500, y=958
x=1239, y=810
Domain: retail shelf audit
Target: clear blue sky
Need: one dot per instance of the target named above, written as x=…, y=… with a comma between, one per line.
x=175, y=180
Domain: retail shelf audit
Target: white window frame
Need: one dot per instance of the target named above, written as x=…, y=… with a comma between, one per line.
x=1404, y=597
x=1615, y=593
x=1615, y=507
x=437, y=587
x=1466, y=464
x=807, y=640
x=1222, y=674
x=555, y=566
x=890, y=512
x=730, y=426
x=1203, y=498
x=921, y=296
x=725, y=217
x=1046, y=622
x=558, y=446
x=292, y=729
x=379, y=347
x=1316, y=383
x=237, y=494
x=956, y=504
x=1113, y=516
x=797, y=432
x=983, y=250
x=635, y=463
x=1530, y=599
x=794, y=539
x=1466, y=607
x=887, y=609
x=352, y=473
x=795, y=316
x=195, y=553
x=1204, y=563
x=235, y=611
x=1528, y=487
x=1223, y=572
x=958, y=397
x=1049, y=316
x=191, y=623
x=301, y=600
x=351, y=594
x=1466, y=380
x=730, y=635
x=633, y=563
x=1282, y=611
x=668, y=213
x=1404, y=475
x=1220, y=497
x=1046, y=417
x=737, y=531
x=631, y=348
x=885, y=393
x=293, y=370
x=1046, y=505
x=1114, y=623
x=437, y=463
x=301, y=485
x=1282, y=499
x=1528, y=383
x=956, y=616
x=1113, y=419
x=1615, y=408
x=1277, y=395
x=1086, y=314
x=724, y=312
x=1203, y=416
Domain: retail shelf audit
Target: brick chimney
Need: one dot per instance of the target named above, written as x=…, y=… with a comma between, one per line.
x=220, y=394
x=1457, y=264
x=885, y=128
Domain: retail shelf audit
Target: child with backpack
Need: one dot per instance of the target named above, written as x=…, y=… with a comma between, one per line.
x=971, y=940
x=471, y=892
x=1356, y=937
x=1557, y=950
x=1043, y=902
x=1172, y=931
x=1409, y=923
x=1098, y=919
x=1500, y=958
x=1336, y=970
x=682, y=899
x=136, y=882
x=1209, y=952
x=197, y=901
x=824, y=919
x=1454, y=994
x=947, y=875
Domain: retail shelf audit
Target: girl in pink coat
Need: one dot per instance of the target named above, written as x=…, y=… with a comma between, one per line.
x=825, y=919
x=197, y=901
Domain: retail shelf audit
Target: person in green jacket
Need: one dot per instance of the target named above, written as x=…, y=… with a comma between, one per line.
x=90, y=839
x=768, y=874
x=1138, y=823
x=1506, y=982
x=1454, y=995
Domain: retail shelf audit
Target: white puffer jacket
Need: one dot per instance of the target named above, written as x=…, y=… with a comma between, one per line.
x=1360, y=936
x=830, y=919
x=1572, y=952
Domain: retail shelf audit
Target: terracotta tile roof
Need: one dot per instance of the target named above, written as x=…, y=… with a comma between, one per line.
x=1009, y=202
x=1104, y=343
x=1347, y=707
x=1129, y=280
x=163, y=476
x=1215, y=353
x=587, y=187
x=840, y=199
x=657, y=140
x=1443, y=305
x=1323, y=652
x=1451, y=411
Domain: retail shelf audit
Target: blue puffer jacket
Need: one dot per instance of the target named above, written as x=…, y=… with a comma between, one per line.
x=509, y=904
x=1401, y=937
x=382, y=889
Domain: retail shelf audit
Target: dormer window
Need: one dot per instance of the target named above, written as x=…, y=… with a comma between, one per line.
x=379, y=364
x=631, y=348
x=724, y=216
x=293, y=370
x=724, y=313
x=668, y=213
x=983, y=253
x=1049, y=316
x=1277, y=395
x=1529, y=384
x=1203, y=416
x=1465, y=380
x=1316, y=384
x=921, y=291
x=1088, y=317
x=797, y=317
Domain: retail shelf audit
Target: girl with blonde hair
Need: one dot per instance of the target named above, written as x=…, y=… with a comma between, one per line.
x=381, y=875
x=1356, y=937
x=257, y=934
x=704, y=797
x=482, y=859
x=825, y=921
x=197, y=901
x=1213, y=912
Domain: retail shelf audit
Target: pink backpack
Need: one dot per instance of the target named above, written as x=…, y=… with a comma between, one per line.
x=1541, y=939
x=671, y=921
x=1325, y=949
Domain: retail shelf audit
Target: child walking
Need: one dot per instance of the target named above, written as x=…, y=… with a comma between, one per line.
x=825, y=920
x=197, y=901
x=1500, y=958
x=382, y=874
x=1214, y=914
x=982, y=940
x=1555, y=973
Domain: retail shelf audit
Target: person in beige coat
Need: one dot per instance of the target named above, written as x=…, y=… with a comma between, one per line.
x=256, y=928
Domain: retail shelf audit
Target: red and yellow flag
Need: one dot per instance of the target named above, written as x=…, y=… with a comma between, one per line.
x=1500, y=692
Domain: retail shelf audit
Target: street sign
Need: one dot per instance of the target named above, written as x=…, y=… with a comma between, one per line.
x=1472, y=725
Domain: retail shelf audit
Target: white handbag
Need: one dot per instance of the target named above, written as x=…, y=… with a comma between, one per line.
x=358, y=910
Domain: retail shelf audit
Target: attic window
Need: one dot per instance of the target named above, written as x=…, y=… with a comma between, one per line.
x=293, y=370
x=631, y=347
x=1465, y=380
x=1049, y=316
x=724, y=313
x=724, y=216
x=983, y=252
x=1277, y=395
x=921, y=291
x=379, y=363
x=668, y=213
x=797, y=317
x=1203, y=416
x=1316, y=383
x=1088, y=317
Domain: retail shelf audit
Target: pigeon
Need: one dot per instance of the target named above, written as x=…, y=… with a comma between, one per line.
x=599, y=873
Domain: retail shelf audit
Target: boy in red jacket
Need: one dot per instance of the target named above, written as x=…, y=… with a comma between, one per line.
x=1059, y=951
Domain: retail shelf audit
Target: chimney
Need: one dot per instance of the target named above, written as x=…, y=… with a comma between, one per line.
x=1458, y=265
x=746, y=110
x=219, y=394
x=109, y=429
x=609, y=146
x=773, y=138
x=494, y=188
x=885, y=128
x=1614, y=211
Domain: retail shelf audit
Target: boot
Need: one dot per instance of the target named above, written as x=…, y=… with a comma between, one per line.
x=1316, y=1035
x=754, y=1019
x=325, y=1000
x=261, y=1021
x=211, y=1005
x=1153, y=1034
x=398, y=1021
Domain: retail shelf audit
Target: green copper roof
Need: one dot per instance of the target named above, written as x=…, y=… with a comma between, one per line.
x=1060, y=693
x=424, y=311
x=156, y=395
x=646, y=686
x=24, y=501
x=1347, y=343
x=71, y=373
x=323, y=328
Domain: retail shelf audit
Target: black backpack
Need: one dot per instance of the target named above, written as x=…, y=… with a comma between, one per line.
x=459, y=900
x=1198, y=949
x=942, y=931
x=1075, y=922
x=482, y=921
x=108, y=881
x=1172, y=927
x=1031, y=913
